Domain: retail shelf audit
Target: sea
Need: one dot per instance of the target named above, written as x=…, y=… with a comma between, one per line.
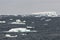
x=48, y=28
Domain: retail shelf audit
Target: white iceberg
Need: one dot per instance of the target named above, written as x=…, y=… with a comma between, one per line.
x=18, y=21
x=50, y=14
x=20, y=30
x=2, y=21
x=29, y=27
x=8, y=35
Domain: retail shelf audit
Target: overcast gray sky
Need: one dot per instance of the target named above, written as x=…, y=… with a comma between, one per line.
x=28, y=6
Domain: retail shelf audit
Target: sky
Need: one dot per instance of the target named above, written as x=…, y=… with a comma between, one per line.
x=23, y=7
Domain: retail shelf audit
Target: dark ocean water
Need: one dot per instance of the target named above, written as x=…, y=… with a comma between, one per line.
x=48, y=28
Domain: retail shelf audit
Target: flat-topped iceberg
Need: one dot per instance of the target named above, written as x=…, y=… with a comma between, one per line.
x=49, y=14
x=8, y=35
x=20, y=30
x=2, y=21
x=18, y=21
